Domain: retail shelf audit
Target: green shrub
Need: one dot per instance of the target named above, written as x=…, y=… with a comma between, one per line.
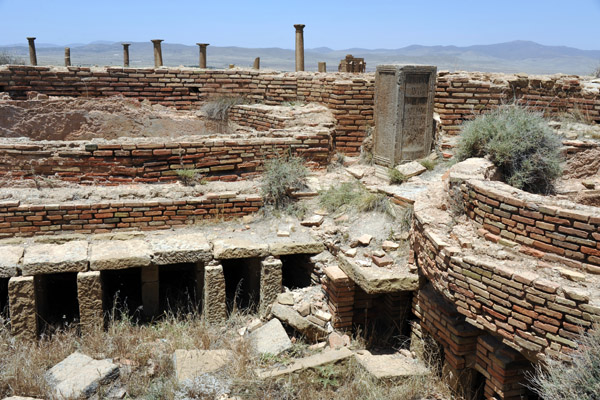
x=519, y=142
x=282, y=175
x=353, y=195
x=396, y=177
x=428, y=163
x=190, y=177
x=578, y=380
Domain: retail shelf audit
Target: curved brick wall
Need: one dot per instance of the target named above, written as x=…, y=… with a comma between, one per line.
x=543, y=228
x=530, y=313
x=46, y=219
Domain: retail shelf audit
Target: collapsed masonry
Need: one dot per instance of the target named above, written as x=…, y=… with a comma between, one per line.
x=504, y=283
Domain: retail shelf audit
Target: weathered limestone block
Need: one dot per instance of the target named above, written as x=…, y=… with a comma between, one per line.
x=294, y=247
x=271, y=276
x=78, y=376
x=403, y=113
x=23, y=307
x=238, y=248
x=323, y=358
x=176, y=249
x=150, y=290
x=292, y=318
x=192, y=363
x=53, y=258
x=9, y=261
x=90, y=297
x=214, y=299
x=390, y=366
x=119, y=254
x=271, y=338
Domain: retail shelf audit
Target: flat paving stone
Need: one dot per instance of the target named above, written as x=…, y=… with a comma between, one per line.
x=192, y=363
x=119, y=254
x=79, y=376
x=390, y=366
x=53, y=258
x=224, y=249
x=9, y=262
x=178, y=249
x=326, y=357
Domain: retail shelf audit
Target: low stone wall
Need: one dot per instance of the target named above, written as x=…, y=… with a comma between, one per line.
x=115, y=162
x=26, y=220
x=253, y=117
x=543, y=228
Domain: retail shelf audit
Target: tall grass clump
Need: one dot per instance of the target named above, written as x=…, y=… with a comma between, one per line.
x=579, y=380
x=281, y=176
x=519, y=142
x=353, y=195
x=218, y=108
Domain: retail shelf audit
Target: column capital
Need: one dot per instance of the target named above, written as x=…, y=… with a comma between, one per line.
x=157, y=40
x=203, y=44
x=299, y=27
x=126, y=44
x=30, y=38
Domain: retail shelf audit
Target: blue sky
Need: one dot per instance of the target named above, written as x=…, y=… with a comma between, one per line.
x=336, y=24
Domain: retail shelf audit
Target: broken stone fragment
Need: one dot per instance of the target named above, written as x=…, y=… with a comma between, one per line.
x=315, y=220
x=79, y=375
x=317, y=321
x=292, y=318
x=322, y=315
x=362, y=240
x=350, y=252
x=382, y=261
x=323, y=358
x=589, y=184
x=388, y=245
x=304, y=309
x=379, y=253
x=287, y=299
x=270, y=338
x=390, y=366
x=411, y=169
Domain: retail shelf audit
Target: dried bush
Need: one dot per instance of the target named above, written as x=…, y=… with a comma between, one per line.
x=281, y=176
x=396, y=177
x=519, y=142
x=190, y=177
x=577, y=380
x=218, y=108
x=353, y=195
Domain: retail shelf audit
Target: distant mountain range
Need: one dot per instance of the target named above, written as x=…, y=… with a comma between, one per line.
x=516, y=56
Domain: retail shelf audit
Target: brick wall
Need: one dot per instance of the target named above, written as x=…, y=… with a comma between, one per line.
x=150, y=162
x=26, y=220
x=570, y=235
x=531, y=314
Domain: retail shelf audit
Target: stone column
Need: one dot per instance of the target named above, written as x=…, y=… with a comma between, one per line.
x=67, y=56
x=271, y=277
x=150, y=299
x=91, y=301
x=126, y=54
x=23, y=307
x=202, y=54
x=158, y=60
x=322, y=66
x=32, y=55
x=256, y=63
x=299, y=47
x=214, y=307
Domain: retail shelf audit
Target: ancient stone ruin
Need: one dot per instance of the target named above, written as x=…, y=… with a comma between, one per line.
x=94, y=213
x=352, y=64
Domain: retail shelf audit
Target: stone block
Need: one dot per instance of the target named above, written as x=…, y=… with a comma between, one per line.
x=90, y=297
x=119, y=254
x=271, y=338
x=411, y=169
x=390, y=366
x=177, y=249
x=78, y=376
x=294, y=247
x=9, y=262
x=23, y=307
x=214, y=295
x=271, y=276
x=224, y=249
x=323, y=358
x=54, y=258
x=192, y=363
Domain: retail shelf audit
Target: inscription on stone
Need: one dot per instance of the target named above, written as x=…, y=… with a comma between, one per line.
x=403, y=113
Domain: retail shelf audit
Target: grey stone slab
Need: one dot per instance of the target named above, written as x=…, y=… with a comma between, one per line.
x=411, y=169
x=53, y=258
x=183, y=248
x=271, y=338
x=326, y=357
x=79, y=376
x=9, y=260
x=292, y=318
x=192, y=363
x=238, y=248
x=296, y=247
x=390, y=366
x=119, y=254
x=374, y=280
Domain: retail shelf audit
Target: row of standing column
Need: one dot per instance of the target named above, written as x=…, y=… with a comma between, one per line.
x=25, y=304
x=158, y=59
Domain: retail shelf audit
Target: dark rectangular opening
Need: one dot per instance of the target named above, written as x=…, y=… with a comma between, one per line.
x=4, y=297
x=178, y=289
x=123, y=293
x=242, y=283
x=297, y=271
x=56, y=299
